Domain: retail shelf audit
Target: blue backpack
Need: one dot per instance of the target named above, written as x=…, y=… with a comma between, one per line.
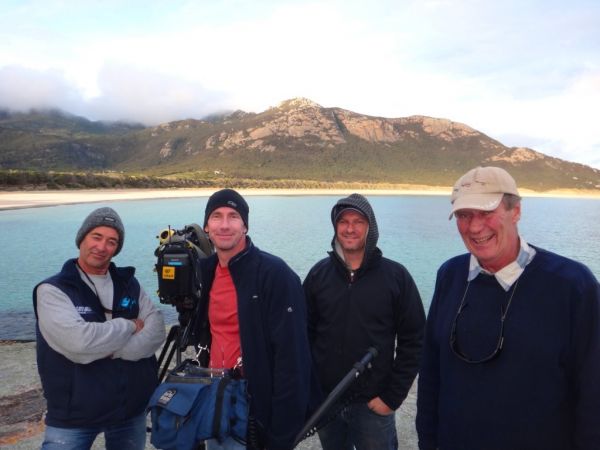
x=187, y=411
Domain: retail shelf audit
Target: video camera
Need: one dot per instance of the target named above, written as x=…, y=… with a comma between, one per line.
x=180, y=283
x=177, y=265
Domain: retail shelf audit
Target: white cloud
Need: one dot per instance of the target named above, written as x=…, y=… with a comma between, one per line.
x=151, y=97
x=529, y=79
x=23, y=88
x=563, y=125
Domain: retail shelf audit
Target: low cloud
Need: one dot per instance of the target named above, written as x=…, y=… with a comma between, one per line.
x=151, y=98
x=123, y=94
x=22, y=89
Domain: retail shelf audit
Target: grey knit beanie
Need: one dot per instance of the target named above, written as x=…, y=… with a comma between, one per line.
x=102, y=217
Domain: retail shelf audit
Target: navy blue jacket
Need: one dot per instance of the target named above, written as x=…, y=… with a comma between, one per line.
x=275, y=352
x=543, y=389
x=106, y=391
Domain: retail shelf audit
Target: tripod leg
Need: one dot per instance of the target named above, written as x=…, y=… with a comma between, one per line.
x=170, y=346
x=171, y=337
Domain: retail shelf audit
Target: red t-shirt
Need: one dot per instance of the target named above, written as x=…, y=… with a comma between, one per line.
x=225, y=348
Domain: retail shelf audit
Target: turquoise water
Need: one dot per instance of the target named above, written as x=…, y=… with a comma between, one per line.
x=414, y=230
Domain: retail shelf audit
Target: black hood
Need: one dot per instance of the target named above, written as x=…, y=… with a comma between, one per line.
x=362, y=205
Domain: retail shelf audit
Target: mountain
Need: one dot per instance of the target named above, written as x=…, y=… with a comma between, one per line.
x=297, y=140
x=52, y=139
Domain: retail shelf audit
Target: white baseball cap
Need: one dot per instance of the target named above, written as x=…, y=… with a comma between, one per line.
x=482, y=188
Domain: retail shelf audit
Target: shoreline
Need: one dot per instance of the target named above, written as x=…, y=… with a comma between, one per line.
x=42, y=198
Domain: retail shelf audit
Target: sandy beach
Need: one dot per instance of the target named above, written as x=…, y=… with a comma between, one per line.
x=33, y=199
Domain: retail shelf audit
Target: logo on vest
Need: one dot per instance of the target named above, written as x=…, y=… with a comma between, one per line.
x=83, y=310
x=167, y=396
x=127, y=303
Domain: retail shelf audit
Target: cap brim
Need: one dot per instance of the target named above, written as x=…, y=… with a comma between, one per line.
x=344, y=209
x=482, y=202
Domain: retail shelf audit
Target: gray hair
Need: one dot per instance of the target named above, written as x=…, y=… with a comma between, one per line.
x=510, y=201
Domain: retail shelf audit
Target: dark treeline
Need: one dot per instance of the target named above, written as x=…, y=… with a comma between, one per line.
x=29, y=179
x=38, y=180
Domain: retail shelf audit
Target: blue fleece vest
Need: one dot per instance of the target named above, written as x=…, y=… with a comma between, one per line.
x=106, y=391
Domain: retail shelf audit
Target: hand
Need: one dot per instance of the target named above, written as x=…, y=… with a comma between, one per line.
x=379, y=407
x=139, y=324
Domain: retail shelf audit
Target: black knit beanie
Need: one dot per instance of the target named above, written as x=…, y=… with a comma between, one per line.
x=229, y=198
x=102, y=217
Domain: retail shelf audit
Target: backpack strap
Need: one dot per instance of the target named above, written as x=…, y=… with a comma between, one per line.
x=219, y=407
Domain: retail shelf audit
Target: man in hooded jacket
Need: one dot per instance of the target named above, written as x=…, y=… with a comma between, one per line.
x=357, y=299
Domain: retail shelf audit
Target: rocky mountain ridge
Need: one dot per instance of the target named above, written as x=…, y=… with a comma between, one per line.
x=295, y=140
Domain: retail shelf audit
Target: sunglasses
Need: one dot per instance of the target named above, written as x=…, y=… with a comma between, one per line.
x=499, y=343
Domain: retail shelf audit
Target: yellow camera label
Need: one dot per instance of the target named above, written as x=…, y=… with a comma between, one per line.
x=168, y=273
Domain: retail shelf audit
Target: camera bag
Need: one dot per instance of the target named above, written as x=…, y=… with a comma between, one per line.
x=186, y=412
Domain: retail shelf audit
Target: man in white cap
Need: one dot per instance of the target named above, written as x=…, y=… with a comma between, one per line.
x=97, y=331
x=511, y=357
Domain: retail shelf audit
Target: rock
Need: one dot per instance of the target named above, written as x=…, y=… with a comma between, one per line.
x=21, y=402
x=21, y=416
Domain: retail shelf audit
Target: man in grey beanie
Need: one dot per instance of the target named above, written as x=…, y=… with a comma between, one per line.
x=102, y=217
x=97, y=331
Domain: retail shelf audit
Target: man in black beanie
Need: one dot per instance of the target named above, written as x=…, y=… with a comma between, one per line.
x=97, y=332
x=255, y=311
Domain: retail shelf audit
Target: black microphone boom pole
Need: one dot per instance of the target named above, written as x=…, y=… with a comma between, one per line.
x=336, y=393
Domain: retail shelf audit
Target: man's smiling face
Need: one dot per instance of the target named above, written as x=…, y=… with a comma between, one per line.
x=491, y=236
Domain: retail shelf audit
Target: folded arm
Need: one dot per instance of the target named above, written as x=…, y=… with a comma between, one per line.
x=70, y=335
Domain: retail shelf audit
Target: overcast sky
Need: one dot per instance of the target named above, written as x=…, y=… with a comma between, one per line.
x=526, y=73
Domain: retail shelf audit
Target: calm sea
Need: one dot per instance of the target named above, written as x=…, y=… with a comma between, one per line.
x=414, y=230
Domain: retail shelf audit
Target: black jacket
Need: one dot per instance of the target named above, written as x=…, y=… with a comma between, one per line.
x=276, y=356
x=376, y=306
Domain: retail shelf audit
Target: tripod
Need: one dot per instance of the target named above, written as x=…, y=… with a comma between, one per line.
x=178, y=340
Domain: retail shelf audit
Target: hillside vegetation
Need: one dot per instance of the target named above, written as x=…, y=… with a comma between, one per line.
x=296, y=144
